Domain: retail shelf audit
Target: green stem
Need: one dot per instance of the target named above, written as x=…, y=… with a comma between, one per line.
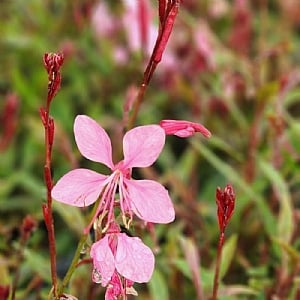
x=73, y=265
x=76, y=257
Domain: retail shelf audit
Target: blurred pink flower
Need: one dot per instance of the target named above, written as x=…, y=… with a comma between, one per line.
x=137, y=21
x=116, y=254
x=102, y=20
x=148, y=199
x=241, y=35
x=205, y=49
x=183, y=128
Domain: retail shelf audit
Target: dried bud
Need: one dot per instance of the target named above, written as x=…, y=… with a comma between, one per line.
x=225, y=201
x=183, y=128
x=52, y=63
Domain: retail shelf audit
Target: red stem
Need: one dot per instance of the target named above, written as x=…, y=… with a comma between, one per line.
x=47, y=209
x=218, y=263
x=167, y=17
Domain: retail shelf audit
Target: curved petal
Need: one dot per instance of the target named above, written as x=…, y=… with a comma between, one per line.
x=150, y=201
x=93, y=141
x=80, y=187
x=183, y=128
x=134, y=260
x=142, y=145
x=103, y=260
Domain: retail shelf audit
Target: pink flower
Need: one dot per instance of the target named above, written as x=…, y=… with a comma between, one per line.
x=183, y=128
x=118, y=253
x=148, y=199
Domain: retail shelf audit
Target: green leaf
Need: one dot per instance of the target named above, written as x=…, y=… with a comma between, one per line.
x=72, y=216
x=158, y=287
x=267, y=91
x=285, y=226
x=38, y=263
x=292, y=252
x=228, y=252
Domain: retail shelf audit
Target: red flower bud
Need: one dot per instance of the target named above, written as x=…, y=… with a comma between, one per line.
x=166, y=27
x=225, y=201
x=52, y=63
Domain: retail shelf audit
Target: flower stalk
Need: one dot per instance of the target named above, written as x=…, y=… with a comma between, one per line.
x=52, y=63
x=167, y=12
x=225, y=201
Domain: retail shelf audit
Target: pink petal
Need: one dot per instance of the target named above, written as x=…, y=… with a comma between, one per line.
x=114, y=289
x=92, y=140
x=142, y=145
x=80, y=187
x=150, y=201
x=103, y=260
x=183, y=128
x=134, y=260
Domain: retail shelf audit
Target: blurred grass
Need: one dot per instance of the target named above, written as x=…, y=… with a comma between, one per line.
x=249, y=100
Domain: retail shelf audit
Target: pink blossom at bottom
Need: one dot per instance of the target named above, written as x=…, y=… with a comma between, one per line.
x=117, y=254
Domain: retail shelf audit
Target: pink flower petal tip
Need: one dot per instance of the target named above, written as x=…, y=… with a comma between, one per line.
x=183, y=129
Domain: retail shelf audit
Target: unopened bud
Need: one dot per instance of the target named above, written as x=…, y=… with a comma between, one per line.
x=225, y=201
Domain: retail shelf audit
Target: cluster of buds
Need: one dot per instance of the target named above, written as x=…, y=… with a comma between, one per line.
x=52, y=63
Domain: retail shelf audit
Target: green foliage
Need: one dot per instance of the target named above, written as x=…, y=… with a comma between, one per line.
x=249, y=98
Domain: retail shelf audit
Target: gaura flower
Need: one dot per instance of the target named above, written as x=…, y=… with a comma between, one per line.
x=147, y=199
x=183, y=128
x=119, y=254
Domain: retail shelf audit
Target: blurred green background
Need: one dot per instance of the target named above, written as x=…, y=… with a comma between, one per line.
x=230, y=65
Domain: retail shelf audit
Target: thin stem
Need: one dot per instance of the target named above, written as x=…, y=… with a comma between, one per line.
x=76, y=257
x=137, y=103
x=73, y=265
x=218, y=263
x=48, y=209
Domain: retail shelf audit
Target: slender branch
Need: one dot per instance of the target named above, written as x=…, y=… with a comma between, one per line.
x=73, y=265
x=167, y=17
x=52, y=63
x=47, y=209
